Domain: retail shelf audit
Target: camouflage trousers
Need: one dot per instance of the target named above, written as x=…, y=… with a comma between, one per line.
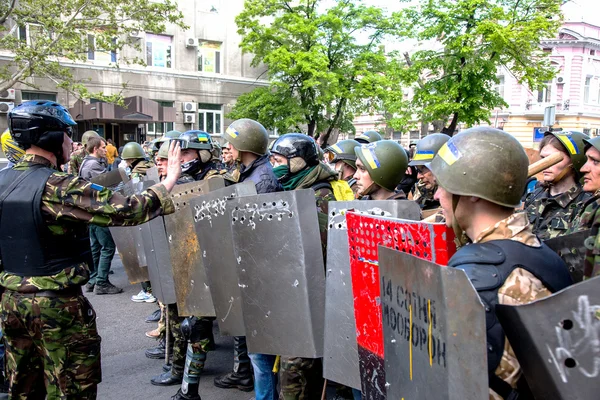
x=180, y=344
x=52, y=346
x=301, y=378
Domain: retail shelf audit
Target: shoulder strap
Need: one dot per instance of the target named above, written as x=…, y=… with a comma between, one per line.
x=321, y=185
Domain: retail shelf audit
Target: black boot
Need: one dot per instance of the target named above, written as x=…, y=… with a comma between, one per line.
x=241, y=376
x=157, y=352
x=166, y=367
x=167, y=379
x=180, y=396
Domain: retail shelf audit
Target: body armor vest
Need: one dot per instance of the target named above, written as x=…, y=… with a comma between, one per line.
x=27, y=246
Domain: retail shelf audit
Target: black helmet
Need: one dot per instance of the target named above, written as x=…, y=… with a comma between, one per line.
x=368, y=137
x=41, y=123
x=344, y=151
x=297, y=145
x=198, y=140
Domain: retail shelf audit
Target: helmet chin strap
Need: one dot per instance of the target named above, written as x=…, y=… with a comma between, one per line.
x=372, y=187
x=461, y=237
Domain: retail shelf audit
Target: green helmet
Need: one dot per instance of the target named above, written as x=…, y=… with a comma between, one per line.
x=574, y=143
x=163, y=151
x=483, y=162
x=87, y=135
x=133, y=150
x=428, y=147
x=368, y=137
x=386, y=162
x=344, y=151
x=593, y=142
x=172, y=134
x=248, y=135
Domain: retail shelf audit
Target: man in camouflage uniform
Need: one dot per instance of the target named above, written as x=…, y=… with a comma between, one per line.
x=135, y=157
x=482, y=174
x=426, y=149
x=78, y=156
x=53, y=346
x=380, y=166
x=590, y=217
x=343, y=158
x=296, y=164
x=552, y=206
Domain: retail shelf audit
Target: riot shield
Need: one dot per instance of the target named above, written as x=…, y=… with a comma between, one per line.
x=281, y=274
x=212, y=217
x=557, y=341
x=571, y=248
x=340, y=358
x=432, y=242
x=191, y=286
x=156, y=246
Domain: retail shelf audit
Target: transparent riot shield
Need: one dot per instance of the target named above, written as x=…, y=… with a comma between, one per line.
x=191, y=286
x=434, y=330
x=340, y=358
x=212, y=217
x=557, y=341
x=281, y=273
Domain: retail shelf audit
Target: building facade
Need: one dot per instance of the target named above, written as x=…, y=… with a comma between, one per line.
x=191, y=81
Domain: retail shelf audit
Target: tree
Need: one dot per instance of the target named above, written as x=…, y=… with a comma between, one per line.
x=470, y=40
x=65, y=30
x=323, y=65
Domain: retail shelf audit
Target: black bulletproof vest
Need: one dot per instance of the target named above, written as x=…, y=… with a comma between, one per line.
x=27, y=246
x=489, y=264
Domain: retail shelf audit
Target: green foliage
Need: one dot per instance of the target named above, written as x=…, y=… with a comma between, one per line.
x=470, y=40
x=322, y=64
x=59, y=29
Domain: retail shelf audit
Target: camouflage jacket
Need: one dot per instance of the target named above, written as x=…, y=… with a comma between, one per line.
x=68, y=198
x=76, y=160
x=590, y=219
x=552, y=216
x=521, y=286
x=139, y=171
x=424, y=197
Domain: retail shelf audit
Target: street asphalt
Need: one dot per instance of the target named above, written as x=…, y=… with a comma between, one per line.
x=126, y=372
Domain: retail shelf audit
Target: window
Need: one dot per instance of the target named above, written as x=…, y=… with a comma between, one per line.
x=545, y=93
x=209, y=57
x=586, y=89
x=159, y=50
x=592, y=52
x=210, y=118
x=103, y=56
x=38, y=96
x=30, y=32
x=499, y=87
x=157, y=129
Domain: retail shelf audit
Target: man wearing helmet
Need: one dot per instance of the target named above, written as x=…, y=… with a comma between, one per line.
x=295, y=158
x=248, y=141
x=343, y=157
x=197, y=159
x=50, y=327
x=135, y=157
x=78, y=156
x=426, y=149
x=481, y=175
x=380, y=167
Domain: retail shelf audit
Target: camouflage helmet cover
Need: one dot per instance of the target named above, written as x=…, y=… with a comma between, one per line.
x=248, y=135
x=428, y=147
x=385, y=161
x=483, y=162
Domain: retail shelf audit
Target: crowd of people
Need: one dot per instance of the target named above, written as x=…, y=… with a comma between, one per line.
x=54, y=236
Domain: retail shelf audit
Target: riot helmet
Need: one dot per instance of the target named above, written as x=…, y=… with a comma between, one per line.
x=483, y=162
x=201, y=143
x=343, y=151
x=293, y=145
x=428, y=147
x=248, y=135
x=43, y=124
x=132, y=150
x=385, y=161
x=368, y=137
x=10, y=148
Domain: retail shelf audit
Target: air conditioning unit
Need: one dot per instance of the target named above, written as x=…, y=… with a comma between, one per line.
x=191, y=42
x=136, y=35
x=189, y=118
x=189, y=106
x=6, y=106
x=560, y=80
x=8, y=94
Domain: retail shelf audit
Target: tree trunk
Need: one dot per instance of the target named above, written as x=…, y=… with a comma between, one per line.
x=312, y=126
x=452, y=127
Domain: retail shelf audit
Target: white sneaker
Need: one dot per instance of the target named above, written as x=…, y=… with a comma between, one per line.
x=143, y=297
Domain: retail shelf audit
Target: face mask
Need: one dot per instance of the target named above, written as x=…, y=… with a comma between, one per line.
x=281, y=171
x=186, y=166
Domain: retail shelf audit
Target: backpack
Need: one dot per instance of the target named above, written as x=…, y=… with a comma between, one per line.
x=340, y=188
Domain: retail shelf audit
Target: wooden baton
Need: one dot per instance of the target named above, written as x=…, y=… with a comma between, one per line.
x=544, y=163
